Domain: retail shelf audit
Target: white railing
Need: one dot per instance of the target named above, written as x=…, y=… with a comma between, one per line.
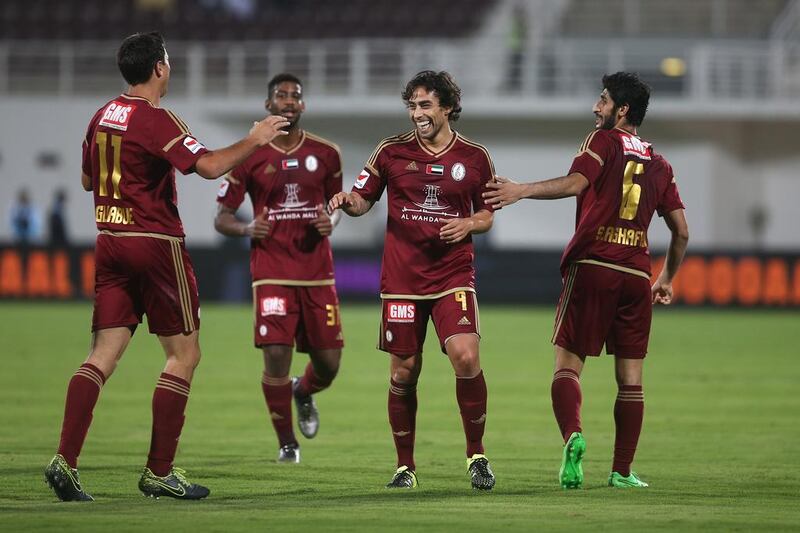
x=370, y=69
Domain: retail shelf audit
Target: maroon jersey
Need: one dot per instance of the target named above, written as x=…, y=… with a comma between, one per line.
x=291, y=185
x=628, y=182
x=426, y=190
x=130, y=153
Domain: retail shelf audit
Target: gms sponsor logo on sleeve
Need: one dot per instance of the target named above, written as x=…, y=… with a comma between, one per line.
x=223, y=188
x=192, y=144
x=361, y=180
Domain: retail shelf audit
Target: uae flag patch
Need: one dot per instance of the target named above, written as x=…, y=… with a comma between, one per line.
x=437, y=170
x=290, y=164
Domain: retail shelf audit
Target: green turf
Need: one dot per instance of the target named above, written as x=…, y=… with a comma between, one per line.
x=719, y=445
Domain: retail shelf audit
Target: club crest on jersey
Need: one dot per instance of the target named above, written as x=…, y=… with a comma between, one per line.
x=273, y=305
x=458, y=172
x=290, y=164
x=635, y=146
x=223, y=188
x=436, y=170
x=192, y=144
x=117, y=115
x=311, y=163
x=361, y=180
x=400, y=312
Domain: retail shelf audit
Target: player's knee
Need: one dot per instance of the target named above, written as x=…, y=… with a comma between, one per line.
x=466, y=362
x=405, y=375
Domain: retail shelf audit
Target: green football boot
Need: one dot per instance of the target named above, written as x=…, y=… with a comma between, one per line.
x=404, y=478
x=65, y=481
x=174, y=485
x=480, y=473
x=570, y=475
x=632, y=481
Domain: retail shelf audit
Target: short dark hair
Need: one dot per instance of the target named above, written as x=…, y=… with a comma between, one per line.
x=627, y=88
x=138, y=54
x=441, y=83
x=280, y=78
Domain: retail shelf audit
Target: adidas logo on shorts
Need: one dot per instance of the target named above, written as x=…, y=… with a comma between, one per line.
x=464, y=321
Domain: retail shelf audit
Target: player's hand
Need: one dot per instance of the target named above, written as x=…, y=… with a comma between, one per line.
x=263, y=132
x=503, y=192
x=456, y=230
x=322, y=223
x=260, y=227
x=340, y=200
x=662, y=292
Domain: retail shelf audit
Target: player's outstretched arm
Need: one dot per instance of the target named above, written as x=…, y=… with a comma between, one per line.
x=456, y=230
x=226, y=223
x=351, y=203
x=662, y=288
x=503, y=191
x=212, y=165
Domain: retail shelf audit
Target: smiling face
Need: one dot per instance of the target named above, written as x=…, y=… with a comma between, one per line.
x=286, y=100
x=428, y=116
x=607, y=113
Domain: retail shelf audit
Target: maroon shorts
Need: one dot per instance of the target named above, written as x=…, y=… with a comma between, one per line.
x=152, y=275
x=600, y=305
x=308, y=316
x=404, y=323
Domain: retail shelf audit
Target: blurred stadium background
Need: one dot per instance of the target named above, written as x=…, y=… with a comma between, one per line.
x=725, y=111
x=720, y=443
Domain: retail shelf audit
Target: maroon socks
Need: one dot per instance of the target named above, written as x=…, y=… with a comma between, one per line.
x=82, y=393
x=628, y=416
x=169, y=404
x=278, y=395
x=565, y=392
x=471, y=396
x=310, y=383
x=403, y=420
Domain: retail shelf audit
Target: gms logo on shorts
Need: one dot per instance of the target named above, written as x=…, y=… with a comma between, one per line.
x=400, y=312
x=273, y=305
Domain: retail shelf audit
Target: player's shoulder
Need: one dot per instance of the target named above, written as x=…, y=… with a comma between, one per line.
x=321, y=143
x=398, y=140
x=469, y=144
x=599, y=136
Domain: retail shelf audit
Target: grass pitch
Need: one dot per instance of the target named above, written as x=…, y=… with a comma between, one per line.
x=719, y=445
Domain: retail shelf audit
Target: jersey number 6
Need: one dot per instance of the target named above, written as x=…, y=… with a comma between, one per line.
x=631, y=192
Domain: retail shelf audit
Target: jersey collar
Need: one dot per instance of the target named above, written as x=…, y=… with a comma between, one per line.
x=293, y=148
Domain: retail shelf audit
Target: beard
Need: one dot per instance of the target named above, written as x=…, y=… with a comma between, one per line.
x=608, y=123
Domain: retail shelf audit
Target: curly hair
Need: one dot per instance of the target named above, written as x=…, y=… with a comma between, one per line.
x=440, y=83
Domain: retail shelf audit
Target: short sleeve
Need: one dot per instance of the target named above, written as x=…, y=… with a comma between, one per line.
x=86, y=151
x=372, y=181
x=487, y=174
x=233, y=188
x=171, y=139
x=333, y=180
x=671, y=199
x=592, y=156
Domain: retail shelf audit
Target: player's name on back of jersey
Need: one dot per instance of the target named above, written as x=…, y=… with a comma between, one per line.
x=111, y=214
x=624, y=236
